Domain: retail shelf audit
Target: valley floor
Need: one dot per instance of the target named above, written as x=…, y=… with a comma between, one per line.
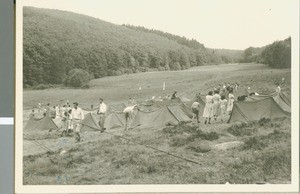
x=235, y=153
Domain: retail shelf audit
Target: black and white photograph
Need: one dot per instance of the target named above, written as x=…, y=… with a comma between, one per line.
x=157, y=95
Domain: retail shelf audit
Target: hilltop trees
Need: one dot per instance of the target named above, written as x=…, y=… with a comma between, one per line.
x=57, y=42
x=277, y=54
x=77, y=78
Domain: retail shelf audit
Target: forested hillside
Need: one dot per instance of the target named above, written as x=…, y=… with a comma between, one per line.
x=217, y=55
x=277, y=54
x=56, y=42
x=228, y=55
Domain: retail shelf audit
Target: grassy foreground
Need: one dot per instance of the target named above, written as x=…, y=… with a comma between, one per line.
x=257, y=152
x=248, y=153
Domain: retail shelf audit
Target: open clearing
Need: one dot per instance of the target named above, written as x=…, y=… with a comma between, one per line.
x=248, y=153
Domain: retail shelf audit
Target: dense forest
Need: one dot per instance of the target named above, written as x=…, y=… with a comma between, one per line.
x=277, y=54
x=56, y=42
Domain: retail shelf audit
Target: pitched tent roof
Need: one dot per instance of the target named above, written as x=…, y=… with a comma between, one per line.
x=184, y=99
x=179, y=114
x=186, y=107
x=116, y=108
x=114, y=120
x=45, y=123
x=164, y=103
x=283, y=99
x=58, y=122
x=90, y=123
x=158, y=118
x=255, y=110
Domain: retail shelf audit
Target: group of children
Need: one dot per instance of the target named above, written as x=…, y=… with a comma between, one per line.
x=218, y=104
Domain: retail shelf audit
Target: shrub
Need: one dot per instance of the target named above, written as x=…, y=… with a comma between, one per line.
x=254, y=143
x=41, y=87
x=77, y=78
x=242, y=129
x=86, y=86
x=161, y=69
x=128, y=71
x=200, y=148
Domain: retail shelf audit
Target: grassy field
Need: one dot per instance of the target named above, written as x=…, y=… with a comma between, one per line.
x=117, y=89
x=248, y=153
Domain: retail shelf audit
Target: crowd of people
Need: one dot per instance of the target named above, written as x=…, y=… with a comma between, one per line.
x=218, y=105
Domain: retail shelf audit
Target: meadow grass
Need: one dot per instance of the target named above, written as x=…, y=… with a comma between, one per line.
x=265, y=155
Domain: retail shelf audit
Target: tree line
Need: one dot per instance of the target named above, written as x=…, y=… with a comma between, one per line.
x=277, y=54
x=57, y=42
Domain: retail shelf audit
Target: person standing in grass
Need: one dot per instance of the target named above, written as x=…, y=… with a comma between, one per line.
x=216, y=104
x=195, y=109
x=69, y=120
x=230, y=102
x=77, y=117
x=223, y=104
x=102, y=114
x=53, y=113
x=48, y=109
x=57, y=110
x=208, y=112
x=278, y=89
x=129, y=113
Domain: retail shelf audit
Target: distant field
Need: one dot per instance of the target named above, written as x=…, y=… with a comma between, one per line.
x=235, y=153
x=117, y=89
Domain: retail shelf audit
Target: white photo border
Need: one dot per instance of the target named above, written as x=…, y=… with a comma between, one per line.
x=20, y=188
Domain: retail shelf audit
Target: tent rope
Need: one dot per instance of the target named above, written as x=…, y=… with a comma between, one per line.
x=147, y=146
x=39, y=144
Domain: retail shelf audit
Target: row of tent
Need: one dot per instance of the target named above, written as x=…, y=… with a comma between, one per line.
x=167, y=115
x=172, y=112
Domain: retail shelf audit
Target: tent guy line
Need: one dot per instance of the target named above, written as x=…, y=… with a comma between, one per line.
x=147, y=146
x=39, y=144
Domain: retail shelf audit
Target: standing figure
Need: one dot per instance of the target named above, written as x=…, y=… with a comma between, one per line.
x=230, y=102
x=278, y=89
x=102, y=113
x=57, y=111
x=195, y=109
x=216, y=104
x=62, y=110
x=48, y=109
x=77, y=116
x=53, y=112
x=223, y=104
x=129, y=112
x=208, y=109
x=39, y=106
x=69, y=121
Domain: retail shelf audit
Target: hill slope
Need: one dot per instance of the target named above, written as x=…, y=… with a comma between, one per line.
x=56, y=42
x=277, y=54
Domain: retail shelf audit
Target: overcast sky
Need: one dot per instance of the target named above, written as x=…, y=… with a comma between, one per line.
x=231, y=24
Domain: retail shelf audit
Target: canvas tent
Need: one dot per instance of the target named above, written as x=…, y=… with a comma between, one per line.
x=45, y=123
x=90, y=123
x=179, y=113
x=58, y=122
x=283, y=99
x=255, y=110
x=184, y=99
x=159, y=118
x=115, y=120
x=186, y=107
